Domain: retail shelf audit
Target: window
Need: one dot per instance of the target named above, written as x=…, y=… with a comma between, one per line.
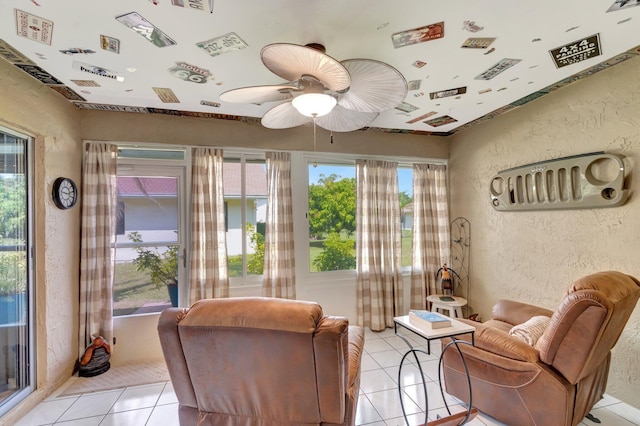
x=245, y=199
x=153, y=185
x=332, y=217
x=405, y=195
x=16, y=326
x=149, y=263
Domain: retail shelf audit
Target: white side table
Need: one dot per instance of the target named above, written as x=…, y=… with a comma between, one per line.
x=453, y=307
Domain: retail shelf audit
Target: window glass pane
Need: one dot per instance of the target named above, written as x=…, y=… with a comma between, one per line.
x=332, y=217
x=148, y=206
x=405, y=189
x=145, y=280
x=147, y=218
x=245, y=196
x=151, y=154
x=14, y=267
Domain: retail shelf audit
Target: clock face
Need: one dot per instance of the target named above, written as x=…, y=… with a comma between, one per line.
x=65, y=193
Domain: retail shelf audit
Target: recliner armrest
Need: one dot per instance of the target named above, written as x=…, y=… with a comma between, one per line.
x=515, y=313
x=500, y=343
x=174, y=356
x=356, y=346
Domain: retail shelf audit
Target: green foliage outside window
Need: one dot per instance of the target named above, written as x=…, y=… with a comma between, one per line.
x=13, y=267
x=332, y=206
x=255, y=260
x=162, y=267
x=338, y=254
x=12, y=207
x=13, y=263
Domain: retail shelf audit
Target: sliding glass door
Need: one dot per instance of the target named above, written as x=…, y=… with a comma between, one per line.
x=15, y=271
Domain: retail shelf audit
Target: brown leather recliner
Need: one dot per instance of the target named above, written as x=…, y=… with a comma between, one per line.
x=261, y=361
x=559, y=379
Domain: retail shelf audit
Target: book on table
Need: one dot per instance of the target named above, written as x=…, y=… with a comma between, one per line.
x=428, y=319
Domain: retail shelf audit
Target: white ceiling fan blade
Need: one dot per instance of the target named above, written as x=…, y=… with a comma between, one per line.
x=258, y=94
x=345, y=120
x=291, y=62
x=375, y=86
x=284, y=116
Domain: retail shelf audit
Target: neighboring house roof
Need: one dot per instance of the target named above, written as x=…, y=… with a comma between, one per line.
x=256, y=183
x=256, y=178
x=131, y=186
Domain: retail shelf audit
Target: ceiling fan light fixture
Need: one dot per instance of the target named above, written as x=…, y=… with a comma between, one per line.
x=314, y=104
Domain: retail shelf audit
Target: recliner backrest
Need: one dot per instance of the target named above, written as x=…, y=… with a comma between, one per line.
x=262, y=358
x=588, y=323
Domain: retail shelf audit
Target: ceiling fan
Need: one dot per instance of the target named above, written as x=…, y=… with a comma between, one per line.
x=337, y=96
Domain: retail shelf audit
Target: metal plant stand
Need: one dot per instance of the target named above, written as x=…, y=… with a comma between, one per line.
x=460, y=229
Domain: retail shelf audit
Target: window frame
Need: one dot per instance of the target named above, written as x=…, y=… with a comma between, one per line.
x=300, y=163
x=30, y=369
x=243, y=156
x=302, y=238
x=309, y=161
x=175, y=168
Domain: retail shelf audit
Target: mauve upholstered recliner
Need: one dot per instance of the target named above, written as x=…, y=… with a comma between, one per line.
x=559, y=379
x=261, y=361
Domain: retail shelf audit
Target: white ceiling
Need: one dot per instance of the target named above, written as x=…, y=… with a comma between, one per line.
x=524, y=31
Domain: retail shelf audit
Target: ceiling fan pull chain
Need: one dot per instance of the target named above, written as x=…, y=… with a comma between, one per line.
x=315, y=163
x=332, y=137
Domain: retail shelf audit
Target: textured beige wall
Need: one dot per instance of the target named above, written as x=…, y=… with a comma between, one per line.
x=135, y=127
x=29, y=107
x=533, y=256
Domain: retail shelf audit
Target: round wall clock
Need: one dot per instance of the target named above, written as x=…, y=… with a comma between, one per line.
x=65, y=193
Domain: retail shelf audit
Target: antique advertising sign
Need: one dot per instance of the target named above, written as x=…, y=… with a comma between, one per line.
x=498, y=68
x=406, y=107
x=441, y=121
x=33, y=27
x=191, y=73
x=146, y=29
x=76, y=50
x=13, y=55
x=109, y=44
x=446, y=93
x=39, y=74
x=210, y=103
x=193, y=4
x=86, y=83
x=166, y=95
x=68, y=93
x=413, y=84
x=92, y=69
x=422, y=117
x=478, y=42
x=575, y=52
x=106, y=107
x=223, y=44
x=418, y=35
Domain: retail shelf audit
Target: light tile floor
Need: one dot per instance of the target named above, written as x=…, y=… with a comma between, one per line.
x=378, y=405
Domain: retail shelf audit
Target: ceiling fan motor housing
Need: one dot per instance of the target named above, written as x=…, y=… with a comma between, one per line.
x=343, y=96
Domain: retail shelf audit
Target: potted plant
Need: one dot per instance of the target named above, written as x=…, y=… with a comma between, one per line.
x=13, y=286
x=162, y=267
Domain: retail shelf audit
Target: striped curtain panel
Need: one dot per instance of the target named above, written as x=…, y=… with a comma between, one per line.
x=209, y=277
x=378, y=244
x=431, y=235
x=97, y=242
x=279, y=262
